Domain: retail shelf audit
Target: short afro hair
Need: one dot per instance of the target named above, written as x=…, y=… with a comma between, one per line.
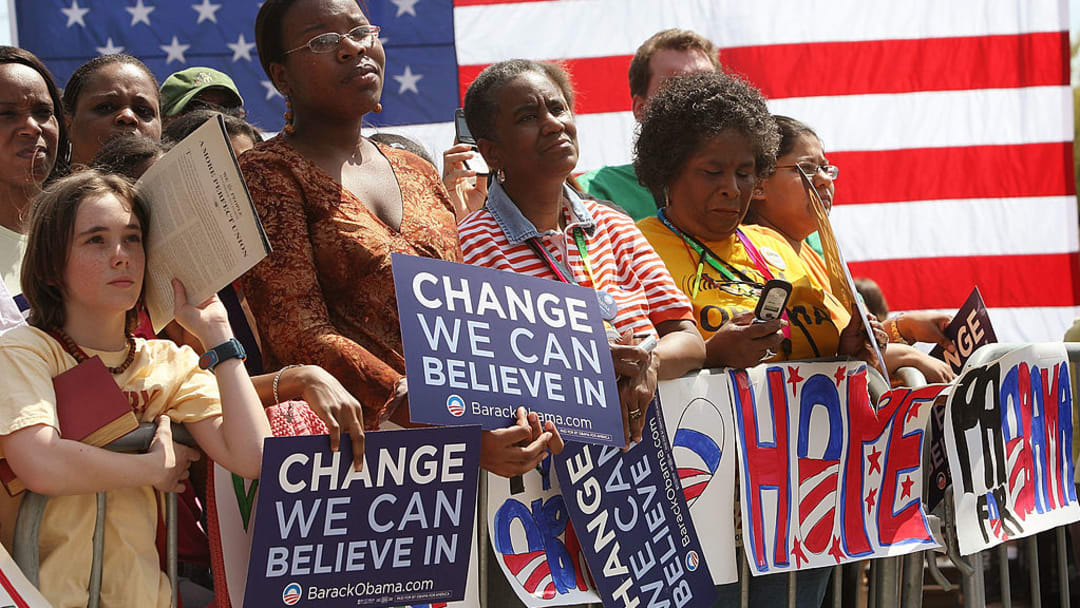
x=480, y=106
x=690, y=109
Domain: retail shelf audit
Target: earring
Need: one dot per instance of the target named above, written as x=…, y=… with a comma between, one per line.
x=378, y=108
x=500, y=176
x=289, y=129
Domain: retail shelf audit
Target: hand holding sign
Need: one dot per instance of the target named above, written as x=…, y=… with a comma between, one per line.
x=519, y=448
x=636, y=369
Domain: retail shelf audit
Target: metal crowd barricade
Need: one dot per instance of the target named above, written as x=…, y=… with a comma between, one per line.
x=32, y=508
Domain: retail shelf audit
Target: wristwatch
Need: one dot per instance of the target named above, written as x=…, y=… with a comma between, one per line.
x=222, y=352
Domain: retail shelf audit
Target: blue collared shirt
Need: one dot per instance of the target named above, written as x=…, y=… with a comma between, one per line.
x=519, y=229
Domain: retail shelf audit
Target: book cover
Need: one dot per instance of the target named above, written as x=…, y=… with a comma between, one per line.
x=90, y=407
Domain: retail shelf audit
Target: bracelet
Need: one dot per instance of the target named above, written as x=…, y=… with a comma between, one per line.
x=277, y=378
x=894, y=331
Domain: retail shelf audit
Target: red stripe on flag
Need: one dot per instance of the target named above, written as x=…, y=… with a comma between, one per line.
x=1021, y=170
x=903, y=66
x=853, y=68
x=1005, y=280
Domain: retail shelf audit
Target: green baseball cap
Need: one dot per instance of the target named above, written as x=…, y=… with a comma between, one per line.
x=180, y=88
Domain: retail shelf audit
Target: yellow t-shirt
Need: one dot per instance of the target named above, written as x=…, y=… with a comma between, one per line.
x=162, y=379
x=816, y=316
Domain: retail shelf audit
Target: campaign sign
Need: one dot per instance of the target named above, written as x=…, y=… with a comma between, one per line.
x=631, y=517
x=824, y=477
x=969, y=329
x=396, y=533
x=535, y=545
x=938, y=475
x=479, y=343
x=1009, y=437
x=697, y=413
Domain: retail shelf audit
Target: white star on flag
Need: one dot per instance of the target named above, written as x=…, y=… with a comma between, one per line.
x=140, y=12
x=109, y=48
x=241, y=48
x=175, y=51
x=271, y=90
x=405, y=6
x=408, y=81
x=75, y=14
x=206, y=11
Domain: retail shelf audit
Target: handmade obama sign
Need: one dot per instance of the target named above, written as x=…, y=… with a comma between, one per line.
x=633, y=523
x=479, y=343
x=1008, y=436
x=824, y=477
x=535, y=544
x=396, y=533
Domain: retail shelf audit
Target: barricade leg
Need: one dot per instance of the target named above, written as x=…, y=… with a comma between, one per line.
x=973, y=585
x=1063, y=568
x=837, y=586
x=1003, y=574
x=171, y=544
x=744, y=580
x=911, y=596
x=99, y=555
x=1031, y=545
x=791, y=589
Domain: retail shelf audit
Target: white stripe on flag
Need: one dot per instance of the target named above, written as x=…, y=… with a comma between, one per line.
x=602, y=28
x=922, y=229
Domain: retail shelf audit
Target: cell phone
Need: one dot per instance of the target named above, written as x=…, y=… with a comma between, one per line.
x=463, y=136
x=774, y=297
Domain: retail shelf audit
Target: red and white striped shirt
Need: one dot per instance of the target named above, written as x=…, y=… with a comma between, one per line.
x=623, y=263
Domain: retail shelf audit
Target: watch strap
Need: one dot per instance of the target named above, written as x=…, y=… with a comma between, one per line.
x=229, y=349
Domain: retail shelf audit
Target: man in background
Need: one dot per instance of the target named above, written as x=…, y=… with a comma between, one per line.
x=668, y=53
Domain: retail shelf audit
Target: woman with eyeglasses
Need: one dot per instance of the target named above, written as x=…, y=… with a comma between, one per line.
x=705, y=144
x=782, y=203
x=335, y=205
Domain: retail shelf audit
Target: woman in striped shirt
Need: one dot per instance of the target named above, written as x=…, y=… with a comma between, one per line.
x=521, y=114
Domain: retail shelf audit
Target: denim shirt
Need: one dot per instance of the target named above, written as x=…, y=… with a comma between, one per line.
x=518, y=228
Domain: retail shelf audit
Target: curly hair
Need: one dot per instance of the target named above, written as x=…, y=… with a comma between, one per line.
x=480, y=105
x=78, y=78
x=691, y=109
x=185, y=125
x=126, y=154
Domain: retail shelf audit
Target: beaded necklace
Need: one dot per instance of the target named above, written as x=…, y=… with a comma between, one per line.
x=80, y=355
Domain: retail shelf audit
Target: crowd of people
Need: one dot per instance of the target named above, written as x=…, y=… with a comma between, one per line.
x=677, y=246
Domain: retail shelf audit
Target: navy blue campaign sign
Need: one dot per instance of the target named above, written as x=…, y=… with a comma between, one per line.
x=398, y=532
x=479, y=343
x=635, y=497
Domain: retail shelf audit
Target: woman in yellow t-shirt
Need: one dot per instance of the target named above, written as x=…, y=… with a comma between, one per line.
x=83, y=278
x=704, y=145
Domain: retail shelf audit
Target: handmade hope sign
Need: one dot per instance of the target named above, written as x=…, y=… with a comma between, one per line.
x=479, y=343
x=396, y=533
x=1009, y=434
x=698, y=416
x=633, y=522
x=824, y=478
x=534, y=543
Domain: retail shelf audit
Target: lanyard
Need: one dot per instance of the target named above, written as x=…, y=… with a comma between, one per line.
x=608, y=307
x=721, y=265
x=565, y=274
x=707, y=255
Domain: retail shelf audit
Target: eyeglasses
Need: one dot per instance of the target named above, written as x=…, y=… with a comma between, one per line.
x=365, y=35
x=811, y=170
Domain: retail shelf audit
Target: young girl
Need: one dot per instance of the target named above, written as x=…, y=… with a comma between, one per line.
x=83, y=304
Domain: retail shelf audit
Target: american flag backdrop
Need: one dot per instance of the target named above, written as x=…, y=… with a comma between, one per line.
x=951, y=121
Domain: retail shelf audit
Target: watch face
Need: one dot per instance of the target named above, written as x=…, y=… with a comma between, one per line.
x=208, y=359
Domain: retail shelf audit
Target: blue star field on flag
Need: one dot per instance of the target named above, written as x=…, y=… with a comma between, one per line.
x=170, y=35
